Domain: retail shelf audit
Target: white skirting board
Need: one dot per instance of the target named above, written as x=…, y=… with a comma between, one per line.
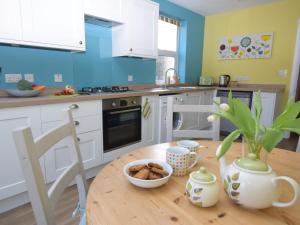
x=21, y=199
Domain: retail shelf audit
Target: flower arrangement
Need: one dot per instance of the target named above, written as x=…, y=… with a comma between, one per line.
x=247, y=124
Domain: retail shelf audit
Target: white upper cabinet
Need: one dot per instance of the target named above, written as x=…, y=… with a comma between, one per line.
x=48, y=23
x=10, y=21
x=137, y=37
x=102, y=9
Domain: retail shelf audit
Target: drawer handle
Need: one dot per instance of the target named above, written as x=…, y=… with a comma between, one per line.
x=78, y=139
x=76, y=123
x=131, y=49
x=80, y=42
x=74, y=106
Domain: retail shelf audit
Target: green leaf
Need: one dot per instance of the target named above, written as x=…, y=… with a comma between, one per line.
x=291, y=125
x=244, y=117
x=271, y=138
x=257, y=105
x=228, y=142
x=291, y=111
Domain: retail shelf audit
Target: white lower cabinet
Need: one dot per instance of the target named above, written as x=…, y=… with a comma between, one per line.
x=11, y=175
x=269, y=102
x=150, y=125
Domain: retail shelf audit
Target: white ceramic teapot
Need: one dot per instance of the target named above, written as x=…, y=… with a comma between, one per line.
x=251, y=183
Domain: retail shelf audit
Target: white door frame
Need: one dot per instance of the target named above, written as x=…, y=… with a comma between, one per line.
x=296, y=66
x=295, y=70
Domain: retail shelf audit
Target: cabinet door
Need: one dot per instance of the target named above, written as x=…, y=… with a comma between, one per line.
x=54, y=23
x=142, y=21
x=58, y=158
x=150, y=125
x=108, y=10
x=10, y=21
x=11, y=176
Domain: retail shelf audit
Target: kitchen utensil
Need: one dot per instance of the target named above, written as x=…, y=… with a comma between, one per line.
x=180, y=159
x=224, y=80
x=206, y=81
x=148, y=183
x=202, y=188
x=252, y=183
x=23, y=93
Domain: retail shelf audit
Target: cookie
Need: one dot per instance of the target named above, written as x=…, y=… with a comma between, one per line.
x=136, y=168
x=154, y=176
x=142, y=174
x=155, y=165
x=159, y=171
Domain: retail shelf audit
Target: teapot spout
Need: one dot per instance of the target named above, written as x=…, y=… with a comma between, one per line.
x=223, y=164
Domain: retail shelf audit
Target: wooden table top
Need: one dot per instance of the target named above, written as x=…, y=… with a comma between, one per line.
x=112, y=200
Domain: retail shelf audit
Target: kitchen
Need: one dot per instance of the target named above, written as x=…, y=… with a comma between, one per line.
x=117, y=59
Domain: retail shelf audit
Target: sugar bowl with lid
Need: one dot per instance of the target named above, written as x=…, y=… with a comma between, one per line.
x=202, y=188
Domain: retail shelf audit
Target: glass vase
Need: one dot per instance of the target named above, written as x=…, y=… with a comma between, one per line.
x=249, y=146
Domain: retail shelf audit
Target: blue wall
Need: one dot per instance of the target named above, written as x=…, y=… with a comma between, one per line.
x=96, y=67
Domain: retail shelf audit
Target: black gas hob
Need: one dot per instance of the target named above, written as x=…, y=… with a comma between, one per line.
x=105, y=89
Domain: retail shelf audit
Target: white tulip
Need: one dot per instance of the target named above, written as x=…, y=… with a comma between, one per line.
x=225, y=107
x=211, y=118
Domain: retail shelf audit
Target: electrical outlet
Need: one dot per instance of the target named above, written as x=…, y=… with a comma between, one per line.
x=29, y=77
x=130, y=77
x=12, y=78
x=241, y=78
x=282, y=72
x=58, y=78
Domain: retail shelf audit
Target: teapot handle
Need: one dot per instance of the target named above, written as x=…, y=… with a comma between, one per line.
x=295, y=187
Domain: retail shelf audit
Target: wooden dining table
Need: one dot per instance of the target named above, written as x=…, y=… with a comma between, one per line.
x=112, y=200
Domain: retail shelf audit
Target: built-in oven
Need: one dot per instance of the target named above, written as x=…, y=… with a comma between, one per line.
x=121, y=122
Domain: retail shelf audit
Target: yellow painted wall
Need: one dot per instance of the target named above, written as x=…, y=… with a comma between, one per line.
x=280, y=17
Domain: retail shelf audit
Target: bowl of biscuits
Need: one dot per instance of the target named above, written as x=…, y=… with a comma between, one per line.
x=148, y=173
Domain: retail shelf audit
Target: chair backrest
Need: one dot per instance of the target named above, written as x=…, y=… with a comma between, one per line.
x=213, y=133
x=30, y=150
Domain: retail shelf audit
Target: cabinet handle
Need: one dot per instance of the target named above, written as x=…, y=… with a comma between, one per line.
x=74, y=106
x=78, y=139
x=80, y=42
x=131, y=49
x=76, y=123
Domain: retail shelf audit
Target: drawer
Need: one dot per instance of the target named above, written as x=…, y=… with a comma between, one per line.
x=79, y=109
x=82, y=124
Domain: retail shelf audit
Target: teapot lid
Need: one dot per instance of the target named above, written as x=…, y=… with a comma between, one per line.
x=202, y=175
x=250, y=162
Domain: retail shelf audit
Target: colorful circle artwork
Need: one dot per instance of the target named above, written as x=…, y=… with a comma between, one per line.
x=245, y=42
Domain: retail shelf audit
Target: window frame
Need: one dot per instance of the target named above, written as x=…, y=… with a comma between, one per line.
x=167, y=53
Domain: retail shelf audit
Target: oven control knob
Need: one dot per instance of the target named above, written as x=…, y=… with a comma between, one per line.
x=113, y=104
x=133, y=102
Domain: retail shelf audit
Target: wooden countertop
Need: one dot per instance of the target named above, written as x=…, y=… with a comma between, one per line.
x=113, y=200
x=276, y=88
x=11, y=102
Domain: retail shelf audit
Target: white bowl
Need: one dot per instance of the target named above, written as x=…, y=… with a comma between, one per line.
x=23, y=94
x=148, y=183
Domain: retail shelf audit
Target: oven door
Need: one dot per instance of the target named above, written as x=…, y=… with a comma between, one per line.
x=121, y=127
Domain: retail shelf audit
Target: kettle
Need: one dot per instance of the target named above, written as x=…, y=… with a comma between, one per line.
x=224, y=80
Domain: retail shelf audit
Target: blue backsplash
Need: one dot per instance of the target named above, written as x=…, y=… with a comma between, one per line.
x=96, y=67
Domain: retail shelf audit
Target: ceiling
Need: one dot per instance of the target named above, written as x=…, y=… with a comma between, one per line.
x=211, y=7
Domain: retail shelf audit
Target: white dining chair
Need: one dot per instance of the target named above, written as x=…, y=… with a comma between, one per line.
x=209, y=131
x=30, y=150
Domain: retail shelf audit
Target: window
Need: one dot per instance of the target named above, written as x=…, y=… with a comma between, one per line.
x=168, y=30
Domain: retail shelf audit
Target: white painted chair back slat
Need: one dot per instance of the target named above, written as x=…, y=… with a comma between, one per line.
x=29, y=151
x=213, y=133
x=298, y=146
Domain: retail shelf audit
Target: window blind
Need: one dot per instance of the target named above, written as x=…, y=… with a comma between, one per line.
x=169, y=20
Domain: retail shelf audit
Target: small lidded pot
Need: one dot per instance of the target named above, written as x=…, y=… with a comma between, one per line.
x=202, y=188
